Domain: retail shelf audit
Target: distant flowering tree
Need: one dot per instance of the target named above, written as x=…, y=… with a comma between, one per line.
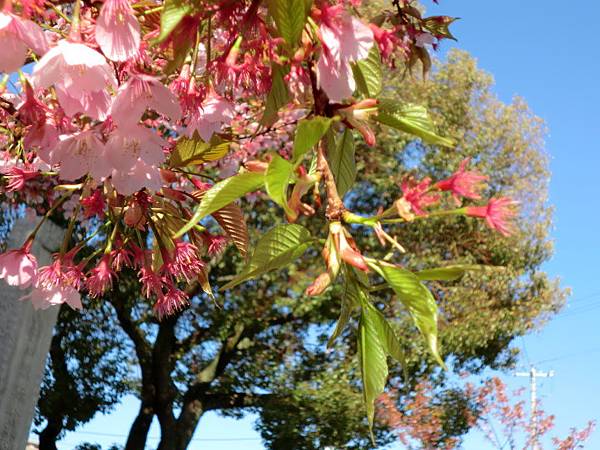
x=500, y=415
x=136, y=121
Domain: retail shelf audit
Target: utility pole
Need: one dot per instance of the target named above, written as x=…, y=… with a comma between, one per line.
x=533, y=376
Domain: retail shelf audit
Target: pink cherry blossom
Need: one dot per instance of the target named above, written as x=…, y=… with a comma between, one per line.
x=16, y=36
x=345, y=39
x=125, y=147
x=42, y=297
x=171, y=302
x=417, y=194
x=101, y=277
x=117, y=30
x=140, y=176
x=18, y=267
x=463, y=182
x=80, y=75
x=79, y=154
x=139, y=93
x=210, y=117
x=497, y=214
x=94, y=104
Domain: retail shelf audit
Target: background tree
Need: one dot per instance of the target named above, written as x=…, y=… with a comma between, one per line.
x=86, y=372
x=489, y=407
x=261, y=346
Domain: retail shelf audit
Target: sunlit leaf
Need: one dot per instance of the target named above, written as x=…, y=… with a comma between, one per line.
x=278, y=247
x=340, y=154
x=277, y=180
x=172, y=14
x=223, y=193
x=188, y=152
x=278, y=97
x=448, y=273
x=412, y=119
x=417, y=299
x=373, y=362
x=350, y=300
x=290, y=18
x=232, y=220
x=308, y=134
x=368, y=74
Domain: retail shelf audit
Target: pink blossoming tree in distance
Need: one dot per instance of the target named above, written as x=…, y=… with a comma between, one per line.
x=133, y=122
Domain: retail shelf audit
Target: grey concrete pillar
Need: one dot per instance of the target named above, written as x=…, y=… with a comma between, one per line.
x=25, y=336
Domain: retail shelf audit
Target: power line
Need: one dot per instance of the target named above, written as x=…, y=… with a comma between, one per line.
x=115, y=435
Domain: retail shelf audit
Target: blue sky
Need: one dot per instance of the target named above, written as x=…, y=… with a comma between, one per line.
x=546, y=52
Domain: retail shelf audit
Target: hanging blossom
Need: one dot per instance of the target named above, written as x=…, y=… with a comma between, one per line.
x=19, y=267
x=80, y=76
x=79, y=154
x=345, y=39
x=210, y=117
x=42, y=297
x=17, y=35
x=117, y=30
x=139, y=93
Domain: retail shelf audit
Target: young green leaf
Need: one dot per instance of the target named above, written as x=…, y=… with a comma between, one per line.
x=308, y=134
x=221, y=194
x=340, y=154
x=277, y=179
x=368, y=74
x=278, y=247
x=387, y=335
x=231, y=218
x=195, y=151
x=417, y=299
x=412, y=119
x=290, y=18
x=373, y=362
x=278, y=97
x=350, y=300
x=448, y=273
x=172, y=14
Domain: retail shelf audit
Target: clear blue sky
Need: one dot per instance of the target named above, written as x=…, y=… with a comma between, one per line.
x=545, y=51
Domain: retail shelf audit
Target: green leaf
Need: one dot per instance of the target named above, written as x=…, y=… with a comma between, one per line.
x=277, y=179
x=412, y=119
x=278, y=97
x=290, y=18
x=231, y=218
x=172, y=14
x=439, y=26
x=276, y=248
x=417, y=299
x=350, y=300
x=221, y=194
x=373, y=362
x=195, y=151
x=308, y=134
x=340, y=154
x=369, y=74
x=448, y=273
x=387, y=335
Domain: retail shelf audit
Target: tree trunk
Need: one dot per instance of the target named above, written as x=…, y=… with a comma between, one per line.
x=138, y=433
x=178, y=435
x=50, y=434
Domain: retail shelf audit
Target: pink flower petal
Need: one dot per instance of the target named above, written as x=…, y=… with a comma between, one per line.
x=118, y=31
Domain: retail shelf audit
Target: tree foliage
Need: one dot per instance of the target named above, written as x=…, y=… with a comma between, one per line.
x=260, y=346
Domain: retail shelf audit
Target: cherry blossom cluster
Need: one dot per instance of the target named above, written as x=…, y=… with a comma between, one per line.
x=98, y=99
